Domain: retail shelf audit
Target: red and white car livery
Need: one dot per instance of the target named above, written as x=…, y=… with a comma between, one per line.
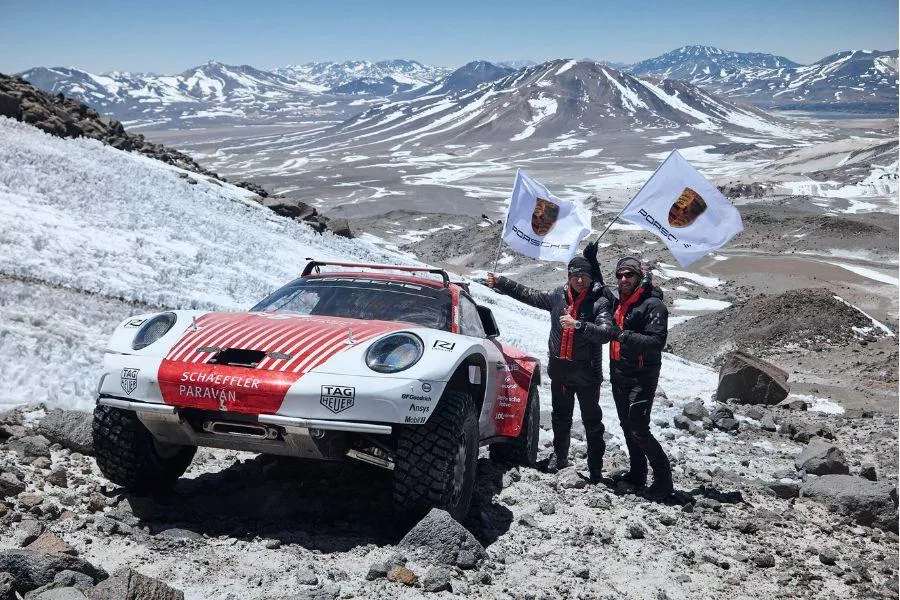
x=379, y=363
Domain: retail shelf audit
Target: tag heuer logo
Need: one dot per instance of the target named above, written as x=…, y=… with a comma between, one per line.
x=544, y=216
x=129, y=379
x=337, y=398
x=686, y=209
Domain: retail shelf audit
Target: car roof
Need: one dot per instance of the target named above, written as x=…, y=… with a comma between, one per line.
x=384, y=276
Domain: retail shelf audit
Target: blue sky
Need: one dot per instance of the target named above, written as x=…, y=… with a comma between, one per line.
x=165, y=36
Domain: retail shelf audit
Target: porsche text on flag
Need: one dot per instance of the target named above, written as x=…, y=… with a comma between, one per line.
x=684, y=210
x=542, y=226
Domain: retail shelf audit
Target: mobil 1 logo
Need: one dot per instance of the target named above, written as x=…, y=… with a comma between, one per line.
x=337, y=398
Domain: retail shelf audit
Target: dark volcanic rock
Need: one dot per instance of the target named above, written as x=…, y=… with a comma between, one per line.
x=440, y=539
x=127, y=584
x=751, y=380
x=70, y=429
x=822, y=458
x=34, y=569
x=867, y=502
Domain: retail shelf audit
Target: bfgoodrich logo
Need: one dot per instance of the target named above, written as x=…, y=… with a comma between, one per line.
x=337, y=398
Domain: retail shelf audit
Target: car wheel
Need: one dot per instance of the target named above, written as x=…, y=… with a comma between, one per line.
x=522, y=450
x=434, y=465
x=128, y=454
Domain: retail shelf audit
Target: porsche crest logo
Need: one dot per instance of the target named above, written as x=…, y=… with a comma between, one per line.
x=686, y=209
x=544, y=216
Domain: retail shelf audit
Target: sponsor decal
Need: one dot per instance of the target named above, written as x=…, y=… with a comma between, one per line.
x=416, y=408
x=415, y=398
x=129, y=380
x=135, y=323
x=235, y=381
x=656, y=224
x=544, y=216
x=442, y=345
x=415, y=420
x=426, y=387
x=337, y=398
x=538, y=242
x=686, y=209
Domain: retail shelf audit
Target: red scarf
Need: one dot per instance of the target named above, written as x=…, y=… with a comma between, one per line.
x=619, y=318
x=568, y=334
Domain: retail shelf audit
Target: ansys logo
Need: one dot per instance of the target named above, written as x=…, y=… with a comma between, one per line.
x=686, y=209
x=544, y=216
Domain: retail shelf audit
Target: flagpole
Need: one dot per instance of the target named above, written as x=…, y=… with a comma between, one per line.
x=624, y=208
x=499, y=245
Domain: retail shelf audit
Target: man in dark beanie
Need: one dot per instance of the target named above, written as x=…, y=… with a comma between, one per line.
x=578, y=330
x=639, y=330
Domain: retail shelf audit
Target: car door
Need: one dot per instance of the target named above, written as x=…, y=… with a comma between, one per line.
x=470, y=325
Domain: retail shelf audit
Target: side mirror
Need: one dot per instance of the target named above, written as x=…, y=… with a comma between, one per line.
x=487, y=322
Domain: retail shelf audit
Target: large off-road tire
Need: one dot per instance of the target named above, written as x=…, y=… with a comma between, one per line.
x=129, y=455
x=523, y=449
x=434, y=465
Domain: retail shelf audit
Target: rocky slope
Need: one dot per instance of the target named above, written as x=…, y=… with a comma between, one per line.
x=749, y=520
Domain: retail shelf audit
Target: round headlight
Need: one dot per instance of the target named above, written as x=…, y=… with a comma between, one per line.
x=153, y=329
x=395, y=353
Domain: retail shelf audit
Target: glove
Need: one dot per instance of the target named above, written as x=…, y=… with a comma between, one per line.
x=615, y=331
x=590, y=253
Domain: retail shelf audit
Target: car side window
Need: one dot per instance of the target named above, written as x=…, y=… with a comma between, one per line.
x=469, y=319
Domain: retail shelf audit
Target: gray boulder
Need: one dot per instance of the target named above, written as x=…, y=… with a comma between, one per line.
x=70, y=429
x=871, y=503
x=751, y=380
x=126, y=584
x=10, y=486
x=33, y=569
x=439, y=539
x=694, y=410
x=30, y=446
x=821, y=458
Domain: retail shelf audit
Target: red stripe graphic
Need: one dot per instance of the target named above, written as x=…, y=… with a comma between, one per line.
x=187, y=380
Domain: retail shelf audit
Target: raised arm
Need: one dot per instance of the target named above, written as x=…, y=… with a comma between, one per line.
x=527, y=295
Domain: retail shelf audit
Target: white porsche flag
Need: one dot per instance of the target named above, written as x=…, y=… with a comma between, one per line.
x=542, y=226
x=684, y=210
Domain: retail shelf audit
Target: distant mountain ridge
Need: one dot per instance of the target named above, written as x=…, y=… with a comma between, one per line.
x=853, y=80
x=558, y=100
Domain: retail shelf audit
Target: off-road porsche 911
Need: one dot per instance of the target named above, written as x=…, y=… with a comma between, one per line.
x=394, y=366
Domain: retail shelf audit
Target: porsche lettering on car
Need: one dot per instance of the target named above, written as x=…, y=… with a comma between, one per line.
x=397, y=367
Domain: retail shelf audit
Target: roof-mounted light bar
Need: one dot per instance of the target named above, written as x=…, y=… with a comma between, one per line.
x=315, y=265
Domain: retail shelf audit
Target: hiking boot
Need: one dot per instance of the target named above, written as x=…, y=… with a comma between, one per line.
x=660, y=489
x=595, y=476
x=637, y=480
x=557, y=462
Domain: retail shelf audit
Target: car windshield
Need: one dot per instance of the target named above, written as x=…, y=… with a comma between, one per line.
x=363, y=298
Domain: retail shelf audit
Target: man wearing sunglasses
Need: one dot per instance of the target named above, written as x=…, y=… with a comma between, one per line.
x=639, y=330
x=579, y=326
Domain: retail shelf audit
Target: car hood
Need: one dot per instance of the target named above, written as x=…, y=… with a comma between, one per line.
x=272, y=341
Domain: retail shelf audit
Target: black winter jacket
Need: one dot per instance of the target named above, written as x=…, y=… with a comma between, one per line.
x=586, y=366
x=643, y=335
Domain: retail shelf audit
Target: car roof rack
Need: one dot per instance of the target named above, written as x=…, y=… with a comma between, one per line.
x=315, y=265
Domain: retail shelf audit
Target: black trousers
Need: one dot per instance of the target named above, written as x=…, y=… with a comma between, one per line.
x=634, y=399
x=591, y=415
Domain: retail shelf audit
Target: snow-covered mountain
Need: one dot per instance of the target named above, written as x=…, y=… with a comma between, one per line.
x=469, y=76
x=556, y=99
x=238, y=93
x=697, y=64
x=359, y=75
x=853, y=80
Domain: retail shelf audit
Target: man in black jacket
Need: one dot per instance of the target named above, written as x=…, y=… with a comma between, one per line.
x=639, y=330
x=578, y=330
